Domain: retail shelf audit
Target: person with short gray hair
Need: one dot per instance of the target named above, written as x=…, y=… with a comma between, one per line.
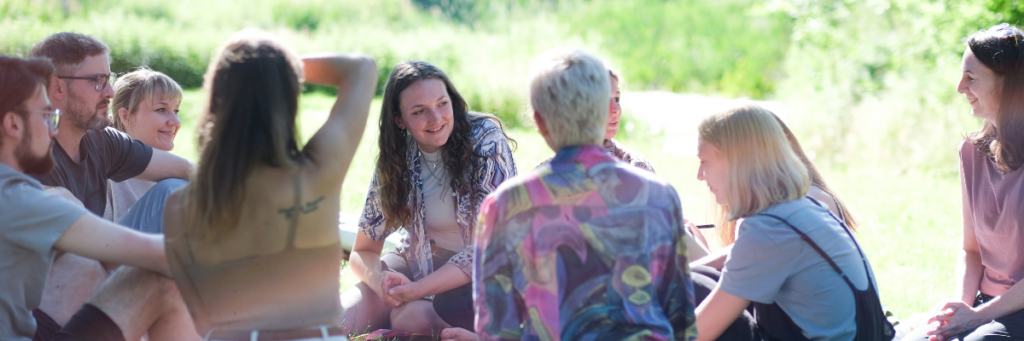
x=569, y=94
x=585, y=247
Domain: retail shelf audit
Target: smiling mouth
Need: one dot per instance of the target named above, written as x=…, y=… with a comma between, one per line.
x=438, y=128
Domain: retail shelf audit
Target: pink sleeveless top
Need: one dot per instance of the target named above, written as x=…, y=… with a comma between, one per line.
x=996, y=201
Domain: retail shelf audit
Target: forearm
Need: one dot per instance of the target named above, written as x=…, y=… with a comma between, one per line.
x=165, y=165
x=968, y=274
x=366, y=266
x=715, y=260
x=1009, y=302
x=446, y=278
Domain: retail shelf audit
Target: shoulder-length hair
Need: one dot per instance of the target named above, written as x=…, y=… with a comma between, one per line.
x=763, y=169
x=727, y=228
x=1000, y=49
x=394, y=174
x=141, y=85
x=253, y=87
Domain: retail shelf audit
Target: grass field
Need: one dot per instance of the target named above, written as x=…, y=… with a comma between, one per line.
x=910, y=221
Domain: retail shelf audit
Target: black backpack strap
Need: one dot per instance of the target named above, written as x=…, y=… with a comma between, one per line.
x=847, y=230
x=816, y=248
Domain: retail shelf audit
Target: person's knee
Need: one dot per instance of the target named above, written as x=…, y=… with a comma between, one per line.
x=139, y=286
x=412, y=317
x=362, y=311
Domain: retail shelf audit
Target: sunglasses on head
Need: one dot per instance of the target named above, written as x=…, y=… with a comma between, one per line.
x=1005, y=31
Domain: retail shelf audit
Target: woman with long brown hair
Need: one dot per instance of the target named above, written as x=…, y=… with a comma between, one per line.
x=252, y=242
x=437, y=162
x=988, y=303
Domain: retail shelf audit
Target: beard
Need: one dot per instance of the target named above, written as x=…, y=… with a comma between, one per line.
x=33, y=164
x=83, y=116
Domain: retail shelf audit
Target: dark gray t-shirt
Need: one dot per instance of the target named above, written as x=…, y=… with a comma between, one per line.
x=32, y=222
x=106, y=154
x=770, y=263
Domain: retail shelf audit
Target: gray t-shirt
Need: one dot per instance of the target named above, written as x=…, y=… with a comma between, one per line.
x=32, y=221
x=770, y=263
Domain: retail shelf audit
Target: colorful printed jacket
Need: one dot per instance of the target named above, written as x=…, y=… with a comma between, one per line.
x=584, y=248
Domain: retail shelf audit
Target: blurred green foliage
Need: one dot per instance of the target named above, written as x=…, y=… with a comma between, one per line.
x=865, y=82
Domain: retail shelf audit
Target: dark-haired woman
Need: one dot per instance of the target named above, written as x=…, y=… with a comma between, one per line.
x=989, y=297
x=437, y=162
x=252, y=241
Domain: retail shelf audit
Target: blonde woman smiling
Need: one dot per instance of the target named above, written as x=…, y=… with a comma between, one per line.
x=145, y=106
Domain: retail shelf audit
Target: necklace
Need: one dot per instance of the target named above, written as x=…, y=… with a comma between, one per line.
x=432, y=166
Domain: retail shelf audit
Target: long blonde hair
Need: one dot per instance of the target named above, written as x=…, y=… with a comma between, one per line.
x=763, y=169
x=253, y=87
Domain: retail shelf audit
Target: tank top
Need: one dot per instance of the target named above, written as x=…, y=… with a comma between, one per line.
x=291, y=289
x=996, y=202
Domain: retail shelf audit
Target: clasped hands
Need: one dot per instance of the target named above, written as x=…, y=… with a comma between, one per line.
x=954, y=318
x=396, y=289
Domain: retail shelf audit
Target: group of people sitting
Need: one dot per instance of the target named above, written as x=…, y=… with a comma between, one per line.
x=589, y=245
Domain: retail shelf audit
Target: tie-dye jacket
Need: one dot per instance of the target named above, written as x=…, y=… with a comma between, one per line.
x=584, y=248
x=490, y=168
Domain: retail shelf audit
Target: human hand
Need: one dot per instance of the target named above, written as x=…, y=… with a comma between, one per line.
x=406, y=292
x=388, y=280
x=954, y=319
x=458, y=334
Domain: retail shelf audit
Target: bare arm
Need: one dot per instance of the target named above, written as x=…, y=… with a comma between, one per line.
x=968, y=268
x=446, y=278
x=334, y=145
x=165, y=165
x=717, y=312
x=92, y=237
x=715, y=260
x=365, y=261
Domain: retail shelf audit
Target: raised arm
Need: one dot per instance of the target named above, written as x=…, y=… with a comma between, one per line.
x=165, y=165
x=334, y=145
x=92, y=237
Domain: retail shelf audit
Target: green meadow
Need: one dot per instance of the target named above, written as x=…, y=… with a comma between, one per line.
x=867, y=86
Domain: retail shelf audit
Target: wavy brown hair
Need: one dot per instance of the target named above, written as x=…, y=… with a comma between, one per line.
x=394, y=175
x=1000, y=49
x=253, y=87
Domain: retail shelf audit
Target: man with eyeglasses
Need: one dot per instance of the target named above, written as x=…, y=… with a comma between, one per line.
x=36, y=224
x=86, y=153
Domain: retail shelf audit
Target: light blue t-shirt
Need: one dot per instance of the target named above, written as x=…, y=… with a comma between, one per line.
x=770, y=263
x=31, y=221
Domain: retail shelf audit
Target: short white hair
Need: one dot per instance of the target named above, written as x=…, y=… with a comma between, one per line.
x=570, y=90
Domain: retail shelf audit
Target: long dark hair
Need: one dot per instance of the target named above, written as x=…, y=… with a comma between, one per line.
x=393, y=173
x=1000, y=49
x=253, y=87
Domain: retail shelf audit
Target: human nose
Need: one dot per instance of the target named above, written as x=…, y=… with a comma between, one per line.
x=108, y=91
x=175, y=120
x=962, y=86
x=700, y=173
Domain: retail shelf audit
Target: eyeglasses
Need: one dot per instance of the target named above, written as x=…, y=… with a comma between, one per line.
x=100, y=80
x=51, y=117
x=1004, y=30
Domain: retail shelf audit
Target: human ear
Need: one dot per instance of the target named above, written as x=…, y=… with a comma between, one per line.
x=541, y=125
x=12, y=125
x=398, y=121
x=122, y=113
x=55, y=91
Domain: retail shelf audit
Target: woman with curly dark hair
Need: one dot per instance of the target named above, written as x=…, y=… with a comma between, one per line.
x=437, y=162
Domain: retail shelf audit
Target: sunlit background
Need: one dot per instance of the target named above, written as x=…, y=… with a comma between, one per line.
x=867, y=85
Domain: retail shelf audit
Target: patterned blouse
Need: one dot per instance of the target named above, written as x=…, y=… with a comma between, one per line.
x=630, y=156
x=491, y=168
x=584, y=248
